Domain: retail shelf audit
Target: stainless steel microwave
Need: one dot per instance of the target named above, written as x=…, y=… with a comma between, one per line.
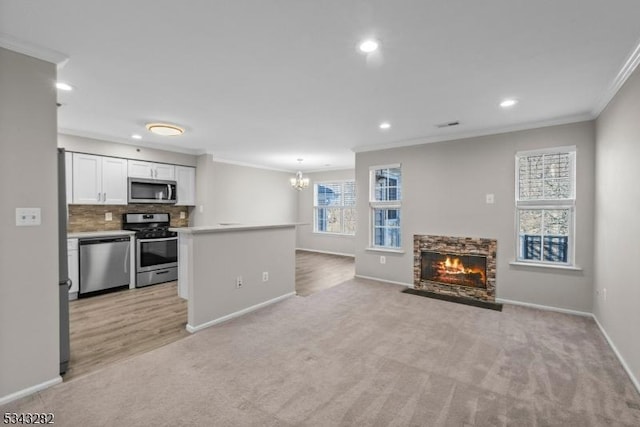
x=151, y=191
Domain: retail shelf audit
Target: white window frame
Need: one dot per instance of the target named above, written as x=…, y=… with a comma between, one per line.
x=383, y=204
x=547, y=204
x=342, y=207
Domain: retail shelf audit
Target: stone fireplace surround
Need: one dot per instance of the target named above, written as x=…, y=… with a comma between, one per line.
x=460, y=246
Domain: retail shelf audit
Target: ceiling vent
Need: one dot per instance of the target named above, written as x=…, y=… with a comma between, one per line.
x=447, y=125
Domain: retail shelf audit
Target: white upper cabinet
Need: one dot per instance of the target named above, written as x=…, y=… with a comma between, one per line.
x=149, y=170
x=114, y=181
x=166, y=172
x=87, y=179
x=99, y=180
x=186, y=188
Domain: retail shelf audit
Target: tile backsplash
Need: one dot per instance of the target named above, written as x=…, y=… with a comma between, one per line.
x=92, y=217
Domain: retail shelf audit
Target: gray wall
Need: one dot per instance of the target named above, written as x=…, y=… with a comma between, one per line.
x=217, y=259
x=114, y=149
x=29, y=334
x=617, y=226
x=306, y=238
x=444, y=194
x=228, y=193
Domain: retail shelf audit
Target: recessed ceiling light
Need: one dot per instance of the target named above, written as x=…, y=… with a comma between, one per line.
x=508, y=103
x=64, y=86
x=136, y=136
x=368, y=46
x=385, y=125
x=164, y=129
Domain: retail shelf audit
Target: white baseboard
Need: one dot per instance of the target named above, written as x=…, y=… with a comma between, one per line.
x=377, y=279
x=30, y=390
x=545, y=307
x=326, y=252
x=634, y=380
x=197, y=328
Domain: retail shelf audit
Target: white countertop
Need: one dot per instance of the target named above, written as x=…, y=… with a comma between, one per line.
x=90, y=234
x=231, y=227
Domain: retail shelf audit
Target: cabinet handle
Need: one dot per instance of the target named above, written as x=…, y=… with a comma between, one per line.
x=151, y=172
x=104, y=197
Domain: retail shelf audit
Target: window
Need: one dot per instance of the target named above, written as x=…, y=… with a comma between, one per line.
x=545, y=206
x=385, y=204
x=334, y=206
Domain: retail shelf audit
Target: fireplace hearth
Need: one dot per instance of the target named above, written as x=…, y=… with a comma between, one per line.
x=460, y=267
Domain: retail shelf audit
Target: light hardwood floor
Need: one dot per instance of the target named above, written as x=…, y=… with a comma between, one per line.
x=111, y=327
x=118, y=325
x=316, y=272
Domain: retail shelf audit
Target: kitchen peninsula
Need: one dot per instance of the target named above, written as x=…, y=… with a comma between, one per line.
x=225, y=271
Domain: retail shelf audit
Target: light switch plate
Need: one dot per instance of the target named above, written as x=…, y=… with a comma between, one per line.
x=28, y=216
x=490, y=199
x=183, y=215
x=108, y=216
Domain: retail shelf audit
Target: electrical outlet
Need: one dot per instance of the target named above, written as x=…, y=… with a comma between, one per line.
x=108, y=216
x=239, y=282
x=265, y=276
x=183, y=215
x=490, y=198
x=201, y=208
x=28, y=216
x=383, y=259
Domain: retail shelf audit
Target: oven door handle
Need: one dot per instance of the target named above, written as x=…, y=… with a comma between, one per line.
x=164, y=239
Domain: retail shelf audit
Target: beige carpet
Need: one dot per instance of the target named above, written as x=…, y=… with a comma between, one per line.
x=362, y=353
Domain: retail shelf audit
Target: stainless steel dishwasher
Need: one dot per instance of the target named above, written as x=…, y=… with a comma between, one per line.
x=104, y=264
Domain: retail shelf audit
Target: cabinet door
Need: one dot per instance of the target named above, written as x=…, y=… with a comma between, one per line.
x=166, y=172
x=87, y=179
x=140, y=169
x=186, y=188
x=114, y=181
x=68, y=171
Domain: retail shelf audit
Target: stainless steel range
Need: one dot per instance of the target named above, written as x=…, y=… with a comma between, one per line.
x=156, y=248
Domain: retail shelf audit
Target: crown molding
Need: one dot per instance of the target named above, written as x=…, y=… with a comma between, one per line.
x=473, y=134
x=126, y=141
x=625, y=72
x=35, y=51
x=248, y=165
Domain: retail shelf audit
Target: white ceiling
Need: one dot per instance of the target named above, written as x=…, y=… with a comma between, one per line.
x=265, y=82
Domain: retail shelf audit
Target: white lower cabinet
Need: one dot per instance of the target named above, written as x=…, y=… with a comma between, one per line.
x=73, y=261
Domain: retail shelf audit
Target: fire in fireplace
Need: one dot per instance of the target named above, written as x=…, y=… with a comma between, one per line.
x=454, y=269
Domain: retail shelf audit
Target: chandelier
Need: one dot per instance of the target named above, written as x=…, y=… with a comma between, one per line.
x=299, y=182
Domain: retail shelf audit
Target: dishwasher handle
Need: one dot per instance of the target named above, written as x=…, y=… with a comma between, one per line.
x=103, y=240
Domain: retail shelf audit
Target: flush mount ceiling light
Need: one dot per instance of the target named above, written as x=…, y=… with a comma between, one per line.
x=508, y=103
x=385, y=125
x=368, y=46
x=64, y=86
x=299, y=182
x=164, y=129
